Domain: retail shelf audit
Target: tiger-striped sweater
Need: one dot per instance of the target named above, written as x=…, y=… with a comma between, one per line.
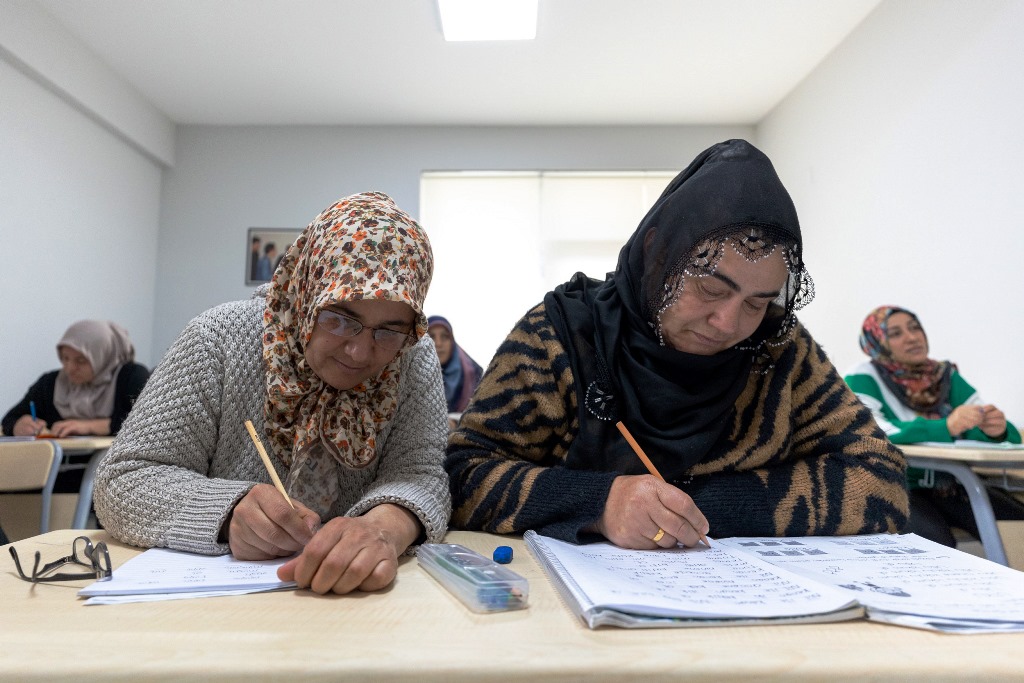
x=806, y=457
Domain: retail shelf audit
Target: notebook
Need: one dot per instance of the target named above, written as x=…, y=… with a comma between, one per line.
x=898, y=579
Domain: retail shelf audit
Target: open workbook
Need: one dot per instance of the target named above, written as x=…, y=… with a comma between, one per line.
x=898, y=579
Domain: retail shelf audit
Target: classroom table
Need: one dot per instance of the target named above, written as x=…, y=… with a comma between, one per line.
x=83, y=452
x=959, y=462
x=417, y=632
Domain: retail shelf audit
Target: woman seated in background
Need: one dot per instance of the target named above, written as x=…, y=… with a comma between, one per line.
x=332, y=364
x=915, y=398
x=461, y=373
x=93, y=391
x=693, y=344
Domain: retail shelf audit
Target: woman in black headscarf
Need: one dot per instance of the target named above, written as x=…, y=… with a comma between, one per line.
x=693, y=345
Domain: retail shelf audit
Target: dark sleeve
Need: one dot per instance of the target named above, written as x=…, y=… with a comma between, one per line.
x=506, y=461
x=42, y=393
x=131, y=379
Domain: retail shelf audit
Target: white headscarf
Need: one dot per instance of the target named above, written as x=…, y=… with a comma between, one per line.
x=107, y=347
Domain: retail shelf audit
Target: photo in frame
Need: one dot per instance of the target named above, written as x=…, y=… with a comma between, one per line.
x=264, y=248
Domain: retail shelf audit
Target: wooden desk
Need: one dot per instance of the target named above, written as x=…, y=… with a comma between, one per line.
x=417, y=632
x=959, y=463
x=84, y=452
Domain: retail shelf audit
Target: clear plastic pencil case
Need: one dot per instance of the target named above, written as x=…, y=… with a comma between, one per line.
x=481, y=583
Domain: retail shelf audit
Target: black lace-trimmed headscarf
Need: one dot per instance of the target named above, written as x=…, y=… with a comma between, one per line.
x=677, y=404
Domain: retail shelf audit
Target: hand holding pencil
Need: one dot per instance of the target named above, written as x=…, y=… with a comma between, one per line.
x=29, y=425
x=267, y=522
x=643, y=513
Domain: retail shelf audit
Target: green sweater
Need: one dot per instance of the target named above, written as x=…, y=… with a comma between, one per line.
x=903, y=426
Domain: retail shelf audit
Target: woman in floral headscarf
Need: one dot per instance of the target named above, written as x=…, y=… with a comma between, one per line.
x=331, y=363
x=914, y=398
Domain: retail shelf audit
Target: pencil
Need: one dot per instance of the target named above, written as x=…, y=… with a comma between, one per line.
x=266, y=462
x=647, y=463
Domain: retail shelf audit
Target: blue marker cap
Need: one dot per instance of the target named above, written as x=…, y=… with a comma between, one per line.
x=502, y=554
x=32, y=408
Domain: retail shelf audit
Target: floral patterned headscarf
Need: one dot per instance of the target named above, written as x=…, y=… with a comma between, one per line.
x=922, y=387
x=362, y=247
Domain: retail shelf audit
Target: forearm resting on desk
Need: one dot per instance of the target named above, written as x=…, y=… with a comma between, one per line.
x=97, y=427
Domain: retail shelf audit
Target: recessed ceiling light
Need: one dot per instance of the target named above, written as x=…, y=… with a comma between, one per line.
x=488, y=19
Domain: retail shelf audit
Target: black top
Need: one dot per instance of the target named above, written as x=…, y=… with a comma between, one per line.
x=131, y=378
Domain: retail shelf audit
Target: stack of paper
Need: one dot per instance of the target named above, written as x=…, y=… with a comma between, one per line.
x=161, y=574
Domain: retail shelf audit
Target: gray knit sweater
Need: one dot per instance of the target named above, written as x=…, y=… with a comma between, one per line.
x=183, y=457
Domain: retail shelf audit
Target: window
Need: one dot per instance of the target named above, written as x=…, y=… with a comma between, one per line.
x=501, y=240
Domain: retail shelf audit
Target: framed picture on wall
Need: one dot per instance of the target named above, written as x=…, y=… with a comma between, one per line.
x=264, y=248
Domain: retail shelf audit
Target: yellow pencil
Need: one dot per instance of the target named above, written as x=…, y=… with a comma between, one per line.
x=266, y=462
x=648, y=464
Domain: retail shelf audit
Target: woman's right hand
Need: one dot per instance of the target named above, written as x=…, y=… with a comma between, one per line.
x=29, y=426
x=963, y=418
x=638, y=506
x=263, y=526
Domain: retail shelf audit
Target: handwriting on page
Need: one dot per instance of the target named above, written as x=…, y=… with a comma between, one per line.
x=159, y=570
x=705, y=582
x=708, y=577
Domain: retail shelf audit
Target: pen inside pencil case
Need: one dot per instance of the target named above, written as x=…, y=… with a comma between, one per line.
x=480, y=583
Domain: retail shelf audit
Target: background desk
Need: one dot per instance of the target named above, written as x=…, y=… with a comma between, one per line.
x=84, y=452
x=419, y=633
x=958, y=462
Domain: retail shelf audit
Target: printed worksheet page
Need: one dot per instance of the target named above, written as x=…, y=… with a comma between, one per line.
x=899, y=573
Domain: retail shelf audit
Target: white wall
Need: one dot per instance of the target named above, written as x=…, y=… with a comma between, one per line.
x=79, y=215
x=903, y=154
x=901, y=151
x=35, y=43
x=227, y=179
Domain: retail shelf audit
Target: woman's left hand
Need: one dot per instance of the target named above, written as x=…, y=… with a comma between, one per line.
x=354, y=553
x=993, y=424
x=80, y=427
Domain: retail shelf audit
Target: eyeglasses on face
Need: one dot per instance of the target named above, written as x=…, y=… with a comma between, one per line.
x=83, y=553
x=343, y=326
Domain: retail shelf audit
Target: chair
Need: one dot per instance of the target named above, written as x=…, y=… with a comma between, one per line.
x=27, y=466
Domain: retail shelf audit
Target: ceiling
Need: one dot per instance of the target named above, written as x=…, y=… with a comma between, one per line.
x=366, y=62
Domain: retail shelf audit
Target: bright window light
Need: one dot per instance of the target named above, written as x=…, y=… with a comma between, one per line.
x=488, y=19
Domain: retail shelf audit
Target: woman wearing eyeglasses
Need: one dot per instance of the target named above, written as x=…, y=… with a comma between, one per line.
x=331, y=363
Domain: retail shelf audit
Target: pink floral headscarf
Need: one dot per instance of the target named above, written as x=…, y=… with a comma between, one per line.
x=923, y=387
x=362, y=247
